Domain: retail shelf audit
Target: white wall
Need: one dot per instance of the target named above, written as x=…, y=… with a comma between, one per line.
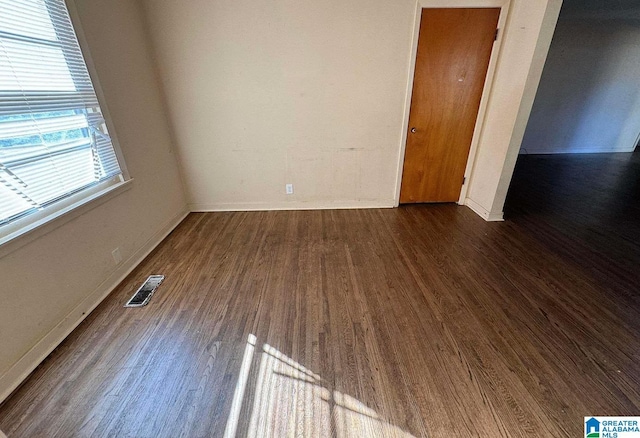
x=527, y=37
x=263, y=93
x=48, y=283
x=589, y=95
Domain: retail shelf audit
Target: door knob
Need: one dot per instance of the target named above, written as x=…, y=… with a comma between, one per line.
x=413, y=130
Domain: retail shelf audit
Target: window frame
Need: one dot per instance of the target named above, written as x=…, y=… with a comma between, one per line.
x=23, y=230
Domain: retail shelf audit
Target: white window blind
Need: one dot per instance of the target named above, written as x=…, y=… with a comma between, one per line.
x=53, y=138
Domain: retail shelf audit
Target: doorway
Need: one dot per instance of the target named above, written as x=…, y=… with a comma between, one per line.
x=453, y=54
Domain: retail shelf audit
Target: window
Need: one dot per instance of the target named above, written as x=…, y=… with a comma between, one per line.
x=54, y=142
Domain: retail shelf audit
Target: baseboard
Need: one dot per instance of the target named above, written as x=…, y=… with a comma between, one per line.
x=484, y=213
x=14, y=376
x=574, y=151
x=312, y=205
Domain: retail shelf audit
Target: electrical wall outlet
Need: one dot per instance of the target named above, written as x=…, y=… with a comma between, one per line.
x=289, y=189
x=117, y=257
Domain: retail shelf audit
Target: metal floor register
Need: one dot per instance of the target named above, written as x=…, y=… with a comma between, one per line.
x=144, y=294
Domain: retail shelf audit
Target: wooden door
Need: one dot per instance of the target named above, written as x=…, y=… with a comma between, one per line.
x=454, y=48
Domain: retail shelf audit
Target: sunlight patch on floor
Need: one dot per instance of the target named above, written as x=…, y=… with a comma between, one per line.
x=290, y=400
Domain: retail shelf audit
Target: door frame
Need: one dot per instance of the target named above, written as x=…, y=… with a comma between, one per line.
x=504, y=6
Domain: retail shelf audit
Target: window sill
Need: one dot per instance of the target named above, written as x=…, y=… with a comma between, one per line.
x=56, y=219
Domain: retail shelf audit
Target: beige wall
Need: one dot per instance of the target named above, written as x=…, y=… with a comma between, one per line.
x=44, y=281
x=264, y=93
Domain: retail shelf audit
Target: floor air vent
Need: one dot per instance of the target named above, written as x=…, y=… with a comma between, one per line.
x=143, y=295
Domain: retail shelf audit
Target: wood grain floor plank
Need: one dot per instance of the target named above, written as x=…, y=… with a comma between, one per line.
x=411, y=322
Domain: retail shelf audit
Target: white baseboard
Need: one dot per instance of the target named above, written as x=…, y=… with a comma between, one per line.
x=496, y=217
x=313, y=205
x=20, y=370
x=484, y=213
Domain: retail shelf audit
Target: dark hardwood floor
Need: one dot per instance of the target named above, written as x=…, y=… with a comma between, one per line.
x=417, y=321
x=584, y=208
